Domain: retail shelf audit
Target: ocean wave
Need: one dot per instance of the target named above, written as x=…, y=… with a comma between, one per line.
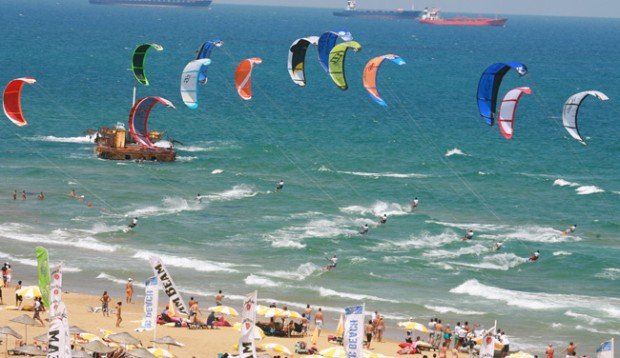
x=397, y=259
x=326, y=292
x=321, y=228
x=210, y=147
x=532, y=234
x=476, y=249
x=181, y=158
x=188, y=262
x=610, y=273
x=358, y=259
x=323, y=168
x=254, y=280
x=417, y=241
x=33, y=263
x=378, y=208
x=466, y=226
x=241, y=191
x=58, y=237
x=599, y=331
x=384, y=175
x=50, y=138
x=538, y=300
x=556, y=325
x=583, y=317
x=302, y=272
x=444, y=309
x=287, y=244
x=588, y=189
x=455, y=151
x=170, y=205
x=562, y=182
x=562, y=253
x=503, y=262
x=217, y=171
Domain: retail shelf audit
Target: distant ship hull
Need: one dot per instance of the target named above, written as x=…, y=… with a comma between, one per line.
x=465, y=21
x=380, y=14
x=183, y=3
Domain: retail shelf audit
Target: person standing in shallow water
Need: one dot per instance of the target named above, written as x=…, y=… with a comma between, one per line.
x=119, y=319
x=129, y=290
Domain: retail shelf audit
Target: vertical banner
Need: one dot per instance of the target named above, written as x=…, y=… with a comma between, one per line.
x=55, y=290
x=606, y=349
x=487, y=347
x=353, y=340
x=59, y=341
x=151, y=298
x=168, y=285
x=247, y=347
x=43, y=270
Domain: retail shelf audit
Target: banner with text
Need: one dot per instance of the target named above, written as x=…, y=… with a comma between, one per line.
x=247, y=347
x=353, y=340
x=167, y=284
x=151, y=298
x=59, y=341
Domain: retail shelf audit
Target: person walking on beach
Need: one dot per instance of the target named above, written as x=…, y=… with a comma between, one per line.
x=119, y=319
x=105, y=304
x=38, y=308
x=571, y=350
x=194, y=310
x=503, y=338
x=550, y=351
x=5, y=274
x=368, y=329
x=308, y=313
x=129, y=290
x=219, y=298
x=18, y=298
x=318, y=321
x=431, y=331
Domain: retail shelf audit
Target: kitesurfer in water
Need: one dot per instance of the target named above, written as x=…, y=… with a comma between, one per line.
x=570, y=230
x=383, y=219
x=198, y=198
x=280, y=185
x=414, y=203
x=498, y=246
x=468, y=235
x=332, y=263
x=535, y=256
x=133, y=223
x=364, y=229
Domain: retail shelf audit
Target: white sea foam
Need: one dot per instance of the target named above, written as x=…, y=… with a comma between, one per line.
x=357, y=259
x=562, y=182
x=185, y=158
x=610, y=273
x=444, y=309
x=562, y=253
x=170, y=205
x=58, y=237
x=610, y=332
x=384, y=175
x=378, y=208
x=588, y=189
x=326, y=292
x=397, y=259
x=556, y=325
x=50, y=138
x=455, y=151
x=583, y=317
x=503, y=262
x=217, y=171
x=200, y=265
x=286, y=243
x=417, y=241
x=301, y=273
x=531, y=234
x=255, y=280
x=323, y=168
x=237, y=192
x=293, y=236
x=210, y=147
x=473, y=226
x=607, y=306
x=468, y=250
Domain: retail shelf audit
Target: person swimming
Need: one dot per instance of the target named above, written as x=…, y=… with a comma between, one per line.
x=332, y=263
x=364, y=229
x=280, y=185
x=535, y=256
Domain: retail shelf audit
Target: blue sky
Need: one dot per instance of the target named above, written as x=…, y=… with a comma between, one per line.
x=587, y=8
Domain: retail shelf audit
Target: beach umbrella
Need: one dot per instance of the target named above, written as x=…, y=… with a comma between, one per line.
x=29, y=292
x=269, y=311
x=413, y=326
x=340, y=327
x=333, y=352
x=520, y=355
x=368, y=354
x=124, y=338
x=42, y=338
x=292, y=314
x=140, y=353
x=161, y=353
x=98, y=347
x=224, y=310
x=30, y=350
x=277, y=347
x=8, y=331
x=76, y=330
x=498, y=345
x=168, y=341
x=258, y=332
x=80, y=354
x=26, y=321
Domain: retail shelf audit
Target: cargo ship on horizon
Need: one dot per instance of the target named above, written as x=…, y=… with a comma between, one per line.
x=352, y=11
x=183, y=3
x=432, y=17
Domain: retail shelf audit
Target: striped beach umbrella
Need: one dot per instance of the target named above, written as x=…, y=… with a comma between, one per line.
x=269, y=311
x=29, y=292
x=413, y=326
x=224, y=310
x=333, y=352
x=277, y=347
x=258, y=332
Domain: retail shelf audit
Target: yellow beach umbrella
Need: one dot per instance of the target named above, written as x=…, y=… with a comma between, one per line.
x=29, y=292
x=160, y=352
x=333, y=352
x=520, y=355
x=277, y=347
x=258, y=332
x=224, y=310
x=291, y=314
x=413, y=326
x=340, y=327
x=498, y=345
x=270, y=311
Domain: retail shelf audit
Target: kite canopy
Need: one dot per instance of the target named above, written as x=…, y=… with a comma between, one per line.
x=508, y=108
x=243, y=77
x=189, y=81
x=297, y=58
x=138, y=61
x=488, y=87
x=139, y=118
x=336, y=62
x=205, y=52
x=327, y=41
x=12, y=100
x=571, y=110
x=369, y=77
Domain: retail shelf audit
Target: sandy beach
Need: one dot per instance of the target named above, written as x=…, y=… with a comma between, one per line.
x=198, y=342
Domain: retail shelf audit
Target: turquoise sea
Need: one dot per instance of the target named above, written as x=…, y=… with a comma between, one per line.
x=345, y=160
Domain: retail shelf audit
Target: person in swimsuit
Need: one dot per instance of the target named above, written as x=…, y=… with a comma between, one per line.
x=571, y=350
x=550, y=351
x=368, y=330
x=105, y=302
x=364, y=229
x=535, y=256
